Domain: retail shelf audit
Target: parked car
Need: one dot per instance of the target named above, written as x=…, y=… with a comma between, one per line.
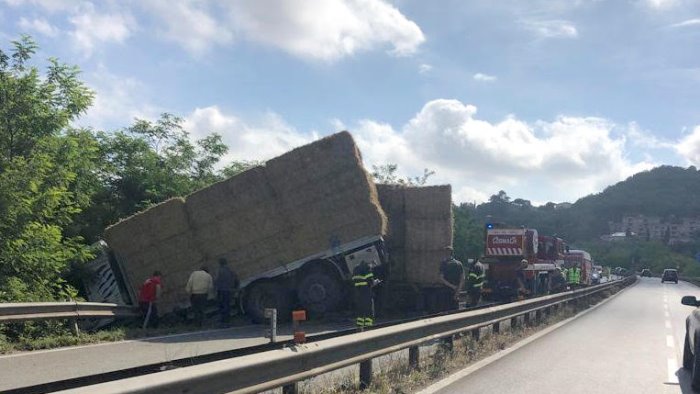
x=595, y=278
x=670, y=275
x=691, y=361
x=646, y=273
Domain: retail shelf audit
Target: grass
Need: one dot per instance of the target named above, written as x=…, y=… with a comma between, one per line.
x=395, y=377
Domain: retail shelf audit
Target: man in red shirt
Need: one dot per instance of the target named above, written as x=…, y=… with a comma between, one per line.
x=148, y=298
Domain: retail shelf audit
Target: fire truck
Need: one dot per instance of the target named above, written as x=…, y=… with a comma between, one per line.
x=515, y=266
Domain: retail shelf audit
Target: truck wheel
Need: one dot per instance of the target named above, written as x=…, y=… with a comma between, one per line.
x=687, y=354
x=268, y=295
x=319, y=292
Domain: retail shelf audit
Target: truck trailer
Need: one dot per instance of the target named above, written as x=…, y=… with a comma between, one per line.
x=292, y=230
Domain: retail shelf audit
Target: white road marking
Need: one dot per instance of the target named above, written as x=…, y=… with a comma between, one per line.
x=669, y=341
x=666, y=306
x=668, y=324
x=666, y=314
x=672, y=368
x=665, y=298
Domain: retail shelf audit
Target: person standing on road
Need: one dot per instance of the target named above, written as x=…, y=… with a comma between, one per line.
x=452, y=277
x=226, y=284
x=149, y=295
x=476, y=282
x=199, y=286
x=364, y=282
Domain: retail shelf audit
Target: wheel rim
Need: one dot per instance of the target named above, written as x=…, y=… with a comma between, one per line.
x=316, y=293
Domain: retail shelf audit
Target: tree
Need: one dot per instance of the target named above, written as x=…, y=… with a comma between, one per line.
x=47, y=173
x=388, y=174
x=150, y=162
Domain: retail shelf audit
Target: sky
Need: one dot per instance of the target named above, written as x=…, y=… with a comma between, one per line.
x=549, y=100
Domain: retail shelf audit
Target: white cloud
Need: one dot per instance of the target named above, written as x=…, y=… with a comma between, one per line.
x=484, y=77
x=424, y=68
x=689, y=147
x=661, y=4
x=118, y=100
x=192, y=24
x=645, y=139
x=39, y=25
x=559, y=160
x=552, y=28
x=48, y=5
x=260, y=140
x=92, y=27
x=327, y=30
x=687, y=23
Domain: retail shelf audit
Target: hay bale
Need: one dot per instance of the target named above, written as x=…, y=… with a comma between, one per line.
x=149, y=227
x=229, y=197
x=429, y=202
x=420, y=226
x=428, y=234
x=423, y=267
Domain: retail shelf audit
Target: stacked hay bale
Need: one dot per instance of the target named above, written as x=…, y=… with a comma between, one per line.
x=325, y=194
x=420, y=223
x=304, y=202
x=159, y=238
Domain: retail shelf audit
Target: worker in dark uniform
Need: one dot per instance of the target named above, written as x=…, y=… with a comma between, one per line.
x=475, y=282
x=452, y=278
x=522, y=281
x=364, y=281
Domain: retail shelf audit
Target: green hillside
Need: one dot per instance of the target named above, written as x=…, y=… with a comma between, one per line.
x=664, y=192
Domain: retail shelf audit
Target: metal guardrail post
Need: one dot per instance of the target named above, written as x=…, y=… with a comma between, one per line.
x=414, y=357
x=365, y=374
x=476, y=334
x=290, y=388
x=271, y=313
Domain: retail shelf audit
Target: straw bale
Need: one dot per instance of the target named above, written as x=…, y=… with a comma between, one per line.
x=149, y=227
x=226, y=198
x=423, y=267
x=428, y=234
x=429, y=202
x=392, y=200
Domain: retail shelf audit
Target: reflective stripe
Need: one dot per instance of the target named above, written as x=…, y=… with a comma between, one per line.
x=368, y=276
x=369, y=322
x=360, y=322
x=357, y=284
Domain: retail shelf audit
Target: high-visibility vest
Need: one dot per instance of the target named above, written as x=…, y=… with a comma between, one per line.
x=476, y=279
x=363, y=280
x=571, y=275
x=577, y=276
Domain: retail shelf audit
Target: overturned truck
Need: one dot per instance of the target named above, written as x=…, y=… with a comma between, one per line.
x=293, y=230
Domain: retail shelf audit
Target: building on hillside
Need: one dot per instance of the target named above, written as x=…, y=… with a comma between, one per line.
x=672, y=230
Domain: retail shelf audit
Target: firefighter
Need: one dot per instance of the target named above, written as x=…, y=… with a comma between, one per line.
x=565, y=275
x=521, y=280
x=476, y=282
x=364, y=281
x=452, y=278
x=577, y=276
x=571, y=277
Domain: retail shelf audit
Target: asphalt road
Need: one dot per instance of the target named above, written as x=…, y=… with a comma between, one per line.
x=631, y=344
x=39, y=367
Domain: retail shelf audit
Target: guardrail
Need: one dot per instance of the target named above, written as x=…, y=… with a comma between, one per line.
x=264, y=371
x=26, y=311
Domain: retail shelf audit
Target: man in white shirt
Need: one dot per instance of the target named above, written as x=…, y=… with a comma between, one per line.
x=199, y=286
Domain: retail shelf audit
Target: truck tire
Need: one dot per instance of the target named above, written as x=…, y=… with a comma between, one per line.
x=687, y=354
x=268, y=295
x=319, y=292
